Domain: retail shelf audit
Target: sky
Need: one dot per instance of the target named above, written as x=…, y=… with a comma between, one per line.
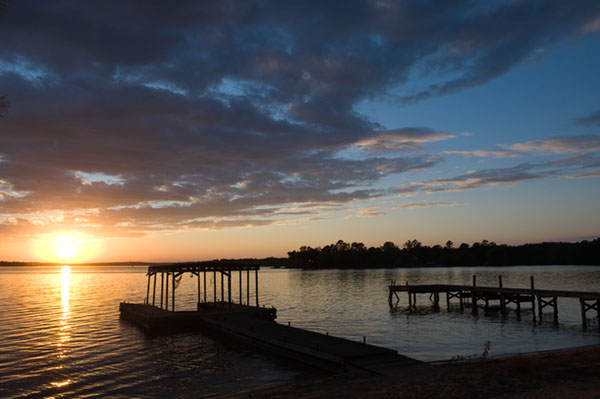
x=171, y=131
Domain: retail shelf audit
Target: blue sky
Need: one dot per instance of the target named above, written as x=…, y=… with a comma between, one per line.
x=183, y=128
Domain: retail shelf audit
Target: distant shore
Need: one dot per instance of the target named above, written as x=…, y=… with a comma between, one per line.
x=573, y=373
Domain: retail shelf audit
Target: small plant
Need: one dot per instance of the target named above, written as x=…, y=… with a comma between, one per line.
x=482, y=357
x=486, y=350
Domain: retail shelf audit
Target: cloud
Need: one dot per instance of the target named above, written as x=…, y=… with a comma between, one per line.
x=137, y=116
x=425, y=205
x=590, y=119
x=586, y=165
x=561, y=145
x=484, y=153
x=555, y=145
x=404, y=139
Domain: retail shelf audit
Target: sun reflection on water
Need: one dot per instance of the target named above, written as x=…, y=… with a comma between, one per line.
x=63, y=332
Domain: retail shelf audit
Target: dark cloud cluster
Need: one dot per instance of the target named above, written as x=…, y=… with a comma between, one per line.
x=216, y=114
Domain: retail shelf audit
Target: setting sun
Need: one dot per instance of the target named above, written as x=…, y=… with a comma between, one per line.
x=66, y=247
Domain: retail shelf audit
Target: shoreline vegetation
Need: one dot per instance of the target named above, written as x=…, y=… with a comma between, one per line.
x=356, y=255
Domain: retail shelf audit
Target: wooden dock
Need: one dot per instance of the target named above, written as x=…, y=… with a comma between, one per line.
x=474, y=294
x=253, y=325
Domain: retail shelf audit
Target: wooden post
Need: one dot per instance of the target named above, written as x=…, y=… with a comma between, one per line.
x=583, y=316
x=148, y=290
x=199, y=294
x=154, y=291
x=460, y=297
x=256, y=276
x=229, y=288
x=539, y=300
x=240, y=286
x=167, y=293
x=447, y=300
x=555, y=309
x=248, y=287
x=222, y=288
x=473, y=296
x=502, y=302
x=532, y=297
x=215, y=285
x=204, y=282
x=173, y=301
x=410, y=303
x=162, y=288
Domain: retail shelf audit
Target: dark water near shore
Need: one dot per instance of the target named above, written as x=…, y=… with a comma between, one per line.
x=60, y=333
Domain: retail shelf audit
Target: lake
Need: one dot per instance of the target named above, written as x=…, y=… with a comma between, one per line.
x=61, y=335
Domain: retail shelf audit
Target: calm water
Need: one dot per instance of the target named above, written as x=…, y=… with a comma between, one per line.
x=61, y=336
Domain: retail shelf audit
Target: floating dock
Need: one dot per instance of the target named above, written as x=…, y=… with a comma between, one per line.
x=474, y=294
x=251, y=324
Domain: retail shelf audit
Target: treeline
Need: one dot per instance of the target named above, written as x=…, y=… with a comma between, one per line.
x=414, y=254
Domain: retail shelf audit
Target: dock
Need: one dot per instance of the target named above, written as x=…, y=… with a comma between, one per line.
x=250, y=324
x=474, y=294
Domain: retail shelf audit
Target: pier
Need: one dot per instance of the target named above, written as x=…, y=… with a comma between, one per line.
x=474, y=294
x=244, y=321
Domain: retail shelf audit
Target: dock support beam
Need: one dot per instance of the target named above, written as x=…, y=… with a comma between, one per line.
x=502, y=301
x=594, y=305
x=229, y=288
x=173, y=301
x=473, y=296
x=240, y=287
x=256, y=289
x=148, y=290
x=167, y=293
x=154, y=291
x=162, y=286
x=532, y=282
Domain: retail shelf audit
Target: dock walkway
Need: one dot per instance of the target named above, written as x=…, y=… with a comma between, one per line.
x=472, y=294
x=254, y=325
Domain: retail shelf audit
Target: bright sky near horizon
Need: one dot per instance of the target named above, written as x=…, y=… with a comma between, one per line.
x=168, y=131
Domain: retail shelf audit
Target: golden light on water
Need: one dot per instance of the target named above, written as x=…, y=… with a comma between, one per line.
x=63, y=332
x=72, y=247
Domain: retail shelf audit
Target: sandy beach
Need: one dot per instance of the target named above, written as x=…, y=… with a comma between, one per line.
x=573, y=373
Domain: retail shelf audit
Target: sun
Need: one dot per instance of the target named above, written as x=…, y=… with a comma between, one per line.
x=66, y=247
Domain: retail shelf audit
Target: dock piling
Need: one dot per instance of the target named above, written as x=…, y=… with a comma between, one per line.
x=502, y=301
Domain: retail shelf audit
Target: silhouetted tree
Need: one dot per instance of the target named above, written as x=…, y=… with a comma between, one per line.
x=344, y=255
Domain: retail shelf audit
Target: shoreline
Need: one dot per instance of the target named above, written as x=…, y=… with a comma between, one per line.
x=561, y=373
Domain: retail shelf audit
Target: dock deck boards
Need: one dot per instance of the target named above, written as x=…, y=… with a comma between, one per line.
x=321, y=350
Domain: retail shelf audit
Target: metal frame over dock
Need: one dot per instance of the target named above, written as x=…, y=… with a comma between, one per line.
x=170, y=275
x=472, y=294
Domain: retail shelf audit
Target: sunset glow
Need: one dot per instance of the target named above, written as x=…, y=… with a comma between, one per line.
x=66, y=248
x=252, y=129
